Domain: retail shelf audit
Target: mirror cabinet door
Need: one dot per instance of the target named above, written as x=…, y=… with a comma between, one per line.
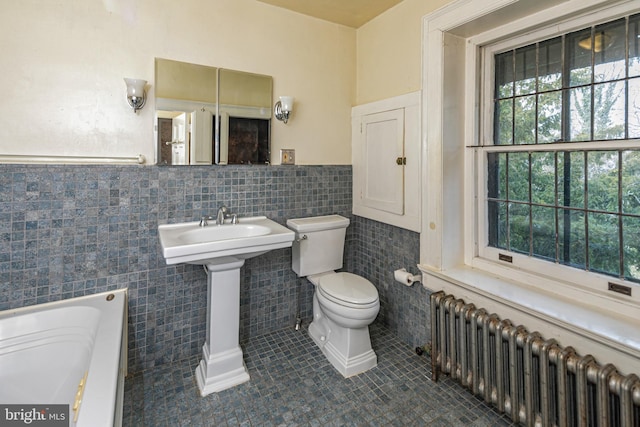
x=211, y=115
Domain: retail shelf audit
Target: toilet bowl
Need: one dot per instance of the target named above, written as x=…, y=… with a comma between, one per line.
x=340, y=326
x=334, y=296
x=344, y=304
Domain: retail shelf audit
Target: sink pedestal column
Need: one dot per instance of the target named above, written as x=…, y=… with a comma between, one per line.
x=222, y=365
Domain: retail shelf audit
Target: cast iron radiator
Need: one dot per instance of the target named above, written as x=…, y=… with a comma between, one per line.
x=536, y=382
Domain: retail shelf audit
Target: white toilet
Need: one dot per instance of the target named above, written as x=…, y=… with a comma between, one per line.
x=344, y=304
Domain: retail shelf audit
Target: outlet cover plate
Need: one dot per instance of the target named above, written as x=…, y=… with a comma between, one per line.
x=287, y=156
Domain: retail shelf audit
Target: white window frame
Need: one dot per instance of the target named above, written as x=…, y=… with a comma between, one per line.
x=453, y=177
x=484, y=254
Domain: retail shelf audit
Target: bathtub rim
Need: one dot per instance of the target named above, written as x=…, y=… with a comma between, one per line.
x=103, y=396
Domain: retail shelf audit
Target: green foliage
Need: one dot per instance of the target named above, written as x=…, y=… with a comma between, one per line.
x=579, y=208
x=530, y=218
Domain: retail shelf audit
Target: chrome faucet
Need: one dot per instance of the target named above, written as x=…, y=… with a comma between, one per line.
x=223, y=213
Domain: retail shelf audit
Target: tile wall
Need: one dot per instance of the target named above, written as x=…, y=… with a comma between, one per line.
x=73, y=230
x=379, y=250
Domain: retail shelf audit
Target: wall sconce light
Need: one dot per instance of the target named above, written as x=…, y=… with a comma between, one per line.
x=136, y=95
x=283, y=108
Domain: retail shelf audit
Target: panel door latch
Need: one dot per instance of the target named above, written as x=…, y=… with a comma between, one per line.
x=401, y=161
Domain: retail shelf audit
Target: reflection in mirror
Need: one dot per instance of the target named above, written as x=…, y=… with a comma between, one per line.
x=248, y=141
x=187, y=82
x=172, y=141
x=195, y=138
x=245, y=116
x=189, y=97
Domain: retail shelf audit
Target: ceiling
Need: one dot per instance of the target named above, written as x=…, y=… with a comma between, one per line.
x=352, y=13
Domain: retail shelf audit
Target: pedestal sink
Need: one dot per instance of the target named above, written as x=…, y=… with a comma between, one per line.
x=222, y=250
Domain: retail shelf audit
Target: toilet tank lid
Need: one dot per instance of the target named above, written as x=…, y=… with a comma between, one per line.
x=317, y=223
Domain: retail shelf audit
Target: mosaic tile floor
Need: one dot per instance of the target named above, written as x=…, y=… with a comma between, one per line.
x=292, y=384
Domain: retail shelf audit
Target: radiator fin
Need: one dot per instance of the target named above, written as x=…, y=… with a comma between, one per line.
x=536, y=382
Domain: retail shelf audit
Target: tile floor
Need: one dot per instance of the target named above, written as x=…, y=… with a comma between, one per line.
x=292, y=384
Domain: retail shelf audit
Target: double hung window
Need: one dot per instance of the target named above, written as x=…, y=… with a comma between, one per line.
x=562, y=163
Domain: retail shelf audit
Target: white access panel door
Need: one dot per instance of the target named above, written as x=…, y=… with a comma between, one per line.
x=383, y=158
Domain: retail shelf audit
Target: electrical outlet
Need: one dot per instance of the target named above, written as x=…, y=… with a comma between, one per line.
x=287, y=156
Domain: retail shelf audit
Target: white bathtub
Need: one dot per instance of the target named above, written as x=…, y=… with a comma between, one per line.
x=47, y=349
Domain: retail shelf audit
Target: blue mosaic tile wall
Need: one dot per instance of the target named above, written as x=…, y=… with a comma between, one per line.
x=73, y=230
x=380, y=249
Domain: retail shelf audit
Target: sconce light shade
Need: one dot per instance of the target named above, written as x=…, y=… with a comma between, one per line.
x=283, y=108
x=136, y=95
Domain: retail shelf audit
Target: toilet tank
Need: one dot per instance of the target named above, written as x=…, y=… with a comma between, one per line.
x=319, y=244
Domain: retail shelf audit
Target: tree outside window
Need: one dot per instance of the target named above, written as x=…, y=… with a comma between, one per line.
x=577, y=207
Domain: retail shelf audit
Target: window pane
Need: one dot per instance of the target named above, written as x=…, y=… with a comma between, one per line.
x=631, y=183
x=579, y=57
x=525, y=70
x=608, y=111
x=549, y=117
x=519, y=177
x=519, y=227
x=525, y=120
x=497, y=176
x=580, y=114
x=504, y=122
x=631, y=227
x=571, y=238
x=568, y=206
x=504, y=75
x=544, y=232
x=497, y=224
x=600, y=112
x=604, y=254
x=550, y=65
x=634, y=108
x=609, y=47
x=602, y=180
x=634, y=45
x=571, y=179
x=543, y=176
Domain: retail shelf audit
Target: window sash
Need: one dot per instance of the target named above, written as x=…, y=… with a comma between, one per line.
x=487, y=255
x=483, y=251
x=577, y=222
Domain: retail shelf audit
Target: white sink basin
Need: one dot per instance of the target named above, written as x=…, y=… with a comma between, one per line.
x=224, y=232
x=189, y=243
x=222, y=249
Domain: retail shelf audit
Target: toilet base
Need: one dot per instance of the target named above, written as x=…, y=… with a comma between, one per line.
x=348, y=350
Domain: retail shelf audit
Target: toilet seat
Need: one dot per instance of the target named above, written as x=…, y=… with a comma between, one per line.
x=348, y=290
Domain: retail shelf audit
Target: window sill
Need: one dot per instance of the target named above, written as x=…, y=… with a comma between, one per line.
x=618, y=332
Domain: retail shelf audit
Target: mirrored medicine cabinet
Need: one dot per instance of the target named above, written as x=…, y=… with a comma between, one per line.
x=209, y=115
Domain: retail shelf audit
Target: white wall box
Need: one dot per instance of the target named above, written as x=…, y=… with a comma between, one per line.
x=386, y=161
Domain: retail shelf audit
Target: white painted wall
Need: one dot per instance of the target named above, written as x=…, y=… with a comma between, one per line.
x=389, y=51
x=63, y=63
